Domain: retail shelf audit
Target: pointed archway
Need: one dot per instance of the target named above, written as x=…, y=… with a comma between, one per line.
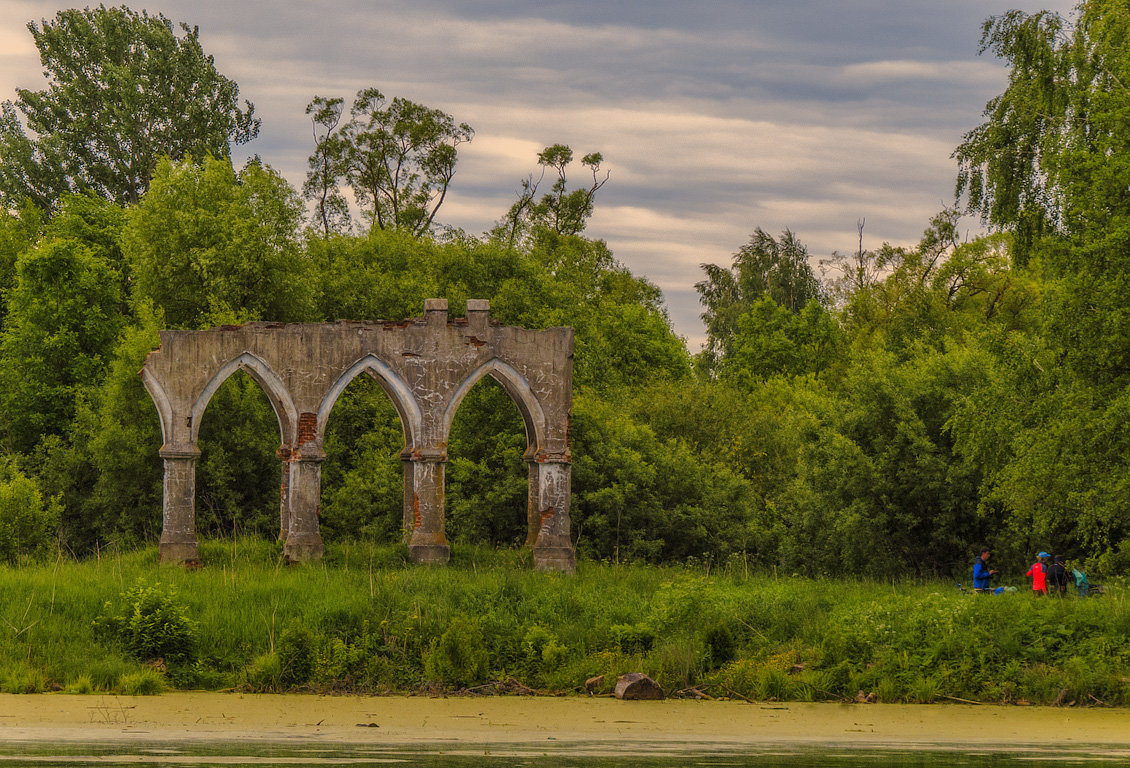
x=425, y=365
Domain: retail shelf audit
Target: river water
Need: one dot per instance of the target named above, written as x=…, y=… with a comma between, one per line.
x=579, y=755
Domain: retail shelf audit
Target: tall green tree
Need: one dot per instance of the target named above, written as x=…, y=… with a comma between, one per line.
x=124, y=89
x=397, y=156
x=771, y=341
x=1049, y=166
x=18, y=233
x=107, y=473
x=1053, y=154
x=562, y=211
x=932, y=292
x=64, y=315
x=879, y=488
x=765, y=266
x=622, y=332
x=1004, y=167
x=331, y=210
x=208, y=245
x=637, y=496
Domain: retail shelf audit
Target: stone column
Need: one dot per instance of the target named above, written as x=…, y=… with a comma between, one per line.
x=533, y=503
x=427, y=542
x=409, y=470
x=178, y=525
x=553, y=550
x=303, y=539
x=284, y=492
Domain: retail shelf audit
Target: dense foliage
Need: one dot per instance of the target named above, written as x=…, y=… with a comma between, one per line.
x=489, y=623
x=123, y=89
x=886, y=418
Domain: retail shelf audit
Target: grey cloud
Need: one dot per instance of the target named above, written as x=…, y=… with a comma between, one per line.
x=715, y=118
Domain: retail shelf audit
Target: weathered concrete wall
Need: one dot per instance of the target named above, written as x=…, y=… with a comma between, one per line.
x=426, y=365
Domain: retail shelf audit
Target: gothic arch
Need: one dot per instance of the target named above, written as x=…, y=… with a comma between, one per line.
x=266, y=378
x=403, y=400
x=426, y=365
x=520, y=392
x=160, y=399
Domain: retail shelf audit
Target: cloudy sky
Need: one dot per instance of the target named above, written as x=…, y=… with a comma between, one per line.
x=715, y=117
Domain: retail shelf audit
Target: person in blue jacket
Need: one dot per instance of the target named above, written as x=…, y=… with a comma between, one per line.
x=982, y=574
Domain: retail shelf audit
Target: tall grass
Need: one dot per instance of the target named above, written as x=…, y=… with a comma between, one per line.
x=364, y=620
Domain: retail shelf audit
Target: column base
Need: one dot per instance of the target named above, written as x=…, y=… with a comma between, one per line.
x=555, y=559
x=303, y=548
x=429, y=554
x=179, y=553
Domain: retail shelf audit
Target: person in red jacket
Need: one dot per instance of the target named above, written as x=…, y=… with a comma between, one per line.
x=1039, y=575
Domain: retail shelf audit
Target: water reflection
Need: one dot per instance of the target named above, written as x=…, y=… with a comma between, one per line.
x=264, y=755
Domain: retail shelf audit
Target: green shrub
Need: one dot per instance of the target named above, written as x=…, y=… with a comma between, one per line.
x=721, y=646
x=459, y=657
x=105, y=672
x=633, y=638
x=679, y=662
x=145, y=682
x=337, y=659
x=888, y=690
x=837, y=679
x=23, y=679
x=739, y=676
x=264, y=673
x=27, y=522
x=152, y=624
x=542, y=653
x=295, y=649
x=924, y=690
x=382, y=675
x=80, y=685
x=772, y=685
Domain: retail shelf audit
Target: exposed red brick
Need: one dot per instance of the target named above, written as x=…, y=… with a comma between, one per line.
x=307, y=427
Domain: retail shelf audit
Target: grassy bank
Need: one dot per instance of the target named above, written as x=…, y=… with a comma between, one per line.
x=365, y=621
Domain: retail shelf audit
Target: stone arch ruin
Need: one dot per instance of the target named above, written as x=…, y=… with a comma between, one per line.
x=425, y=365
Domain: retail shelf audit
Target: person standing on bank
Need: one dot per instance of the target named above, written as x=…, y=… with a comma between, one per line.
x=1057, y=577
x=982, y=574
x=1039, y=575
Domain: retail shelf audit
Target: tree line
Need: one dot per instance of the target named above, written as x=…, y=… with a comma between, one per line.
x=879, y=412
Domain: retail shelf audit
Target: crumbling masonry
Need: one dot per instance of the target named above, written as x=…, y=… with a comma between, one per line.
x=426, y=365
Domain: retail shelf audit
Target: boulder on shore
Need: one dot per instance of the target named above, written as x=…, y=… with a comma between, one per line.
x=636, y=686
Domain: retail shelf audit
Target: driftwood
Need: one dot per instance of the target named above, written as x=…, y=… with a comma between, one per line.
x=963, y=701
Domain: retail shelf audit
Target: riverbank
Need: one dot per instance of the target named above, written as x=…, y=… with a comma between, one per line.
x=363, y=622
x=549, y=724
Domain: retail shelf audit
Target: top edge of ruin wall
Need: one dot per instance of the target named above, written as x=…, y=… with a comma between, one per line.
x=418, y=321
